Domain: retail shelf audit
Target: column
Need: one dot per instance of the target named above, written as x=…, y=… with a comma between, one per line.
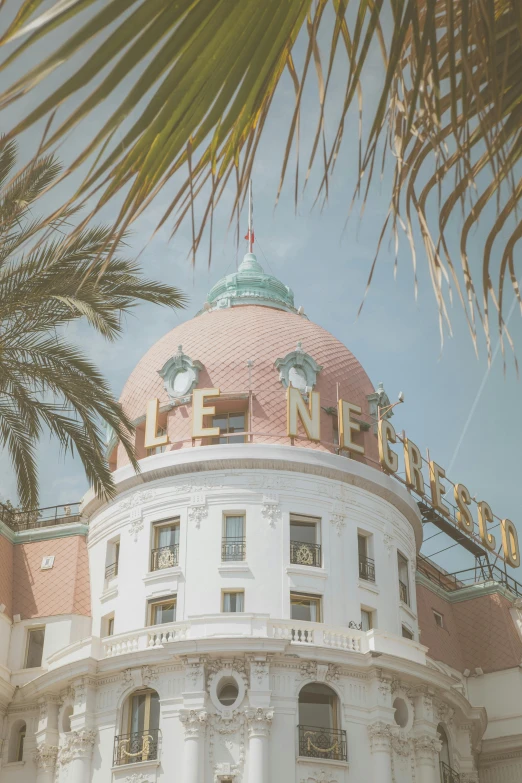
x=380, y=744
x=194, y=723
x=259, y=721
x=46, y=752
x=427, y=750
x=76, y=752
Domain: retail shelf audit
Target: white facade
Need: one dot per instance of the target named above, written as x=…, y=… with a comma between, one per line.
x=78, y=707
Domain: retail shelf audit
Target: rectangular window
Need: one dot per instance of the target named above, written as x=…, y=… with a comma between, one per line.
x=305, y=548
x=366, y=619
x=233, y=601
x=439, y=619
x=305, y=607
x=165, y=552
x=404, y=591
x=158, y=449
x=228, y=424
x=112, y=559
x=366, y=563
x=110, y=626
x=35, y=645
x=407, y=634
x=163, y=611
x=20, y=749
x=233, y=544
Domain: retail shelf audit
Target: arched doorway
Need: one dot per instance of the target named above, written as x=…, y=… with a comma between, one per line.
x=320, y=733
x=139, y=737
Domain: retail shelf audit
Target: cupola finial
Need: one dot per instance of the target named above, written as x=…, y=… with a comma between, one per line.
x=250, y=233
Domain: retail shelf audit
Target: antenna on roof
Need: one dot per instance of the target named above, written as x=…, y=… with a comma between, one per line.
x=250, y=233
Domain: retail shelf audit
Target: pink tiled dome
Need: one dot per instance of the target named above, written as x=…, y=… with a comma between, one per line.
x=222, y=341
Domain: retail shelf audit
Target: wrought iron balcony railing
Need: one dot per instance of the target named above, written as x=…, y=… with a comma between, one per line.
x=139, y=746
x=448, y=775
x=111, y=570
x=403, y=593
x=302, y=553
x=367, y=569
x=164, y=557
x=233, y=549
x=319, y=743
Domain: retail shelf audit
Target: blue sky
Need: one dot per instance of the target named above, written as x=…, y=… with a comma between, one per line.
x=395, y=338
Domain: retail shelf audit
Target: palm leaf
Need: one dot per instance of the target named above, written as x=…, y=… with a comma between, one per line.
x=449, y=111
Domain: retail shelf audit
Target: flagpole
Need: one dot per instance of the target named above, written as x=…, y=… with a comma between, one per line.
x=250, y=220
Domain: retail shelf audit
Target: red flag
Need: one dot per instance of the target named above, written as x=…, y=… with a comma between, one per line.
x=247, y=236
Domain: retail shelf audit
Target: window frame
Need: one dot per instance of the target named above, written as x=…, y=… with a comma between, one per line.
x=215, y=441
x=31, y=630
x=235, y=590
x=154, y=603
x=436, y=615
x=409, y=634
x=157, y=526
x=318, y=599
x=22, y=732
x=403, y=560
x=371, y=614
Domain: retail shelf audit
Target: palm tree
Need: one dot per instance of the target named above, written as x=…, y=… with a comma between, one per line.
x=202, y=77
x=45, y=381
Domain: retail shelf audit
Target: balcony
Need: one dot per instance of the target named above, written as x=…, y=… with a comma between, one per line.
x=164, y=557
x=367, y=569
x=111, y=570
x=132, y=748
x=233, y=549
x=318, y=743
x=448, y=775
x=305, y=554
x=403, y=592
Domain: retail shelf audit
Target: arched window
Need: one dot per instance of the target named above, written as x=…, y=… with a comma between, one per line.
x=15, y=751
x=320, y=733
x=139, y=736
x=447, y=774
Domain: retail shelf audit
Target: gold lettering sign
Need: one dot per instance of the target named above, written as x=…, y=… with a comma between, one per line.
x=152, y=439
x=510, y=543
x=463, y=501
x=437, y=489
x=347, y=426
x=485, y=518
x=310, y=417
x=388, y=458
x=413, y=466
x=199, y=410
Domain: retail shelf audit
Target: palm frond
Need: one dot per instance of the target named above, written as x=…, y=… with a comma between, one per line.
x=205, y=73
x=45, y=382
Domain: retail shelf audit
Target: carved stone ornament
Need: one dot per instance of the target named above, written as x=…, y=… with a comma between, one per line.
x=298, y=369
x=426, y=746
x=45, y=756
x=136, y=526
x=271, y=510
x=136, y=777
x=320, y=776
x=198, y=509
x=77, y=744
x=309, y=670
x=338, y=518
x=216, y=665
x=388, y=543
x=136, y=499
x=194, y=722
x=380, y=734
x=400, y=744
x=259, y=721
x=180, y=375
x=469, y=777
x=445, y=714
x=148, y=675
x=126, y=679
x=259, y=671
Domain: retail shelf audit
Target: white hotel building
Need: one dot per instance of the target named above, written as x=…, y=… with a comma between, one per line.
x=250, y=608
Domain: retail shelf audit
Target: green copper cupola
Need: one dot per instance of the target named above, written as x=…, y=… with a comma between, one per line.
x=250, y=285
